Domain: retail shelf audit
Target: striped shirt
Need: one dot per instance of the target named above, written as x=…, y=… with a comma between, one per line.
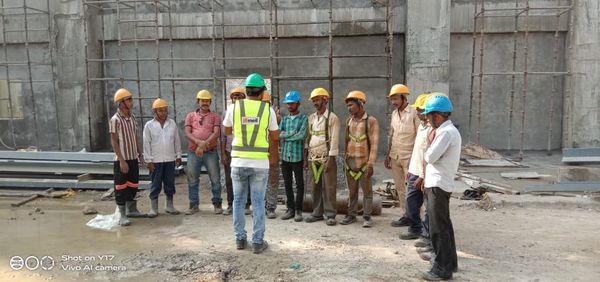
x=357, y=148
x=292, y=134
x=126, y=129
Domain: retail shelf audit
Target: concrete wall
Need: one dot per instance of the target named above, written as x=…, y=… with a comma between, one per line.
x=81, y=121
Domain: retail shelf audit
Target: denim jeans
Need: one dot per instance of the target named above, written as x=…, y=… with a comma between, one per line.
x=414, y=201
x=210, y=160
x=256, y=179
x=163, y=175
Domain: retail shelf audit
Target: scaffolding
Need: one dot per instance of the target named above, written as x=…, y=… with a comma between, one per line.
x=521, y=12
x=19, y=28
x=164, y=25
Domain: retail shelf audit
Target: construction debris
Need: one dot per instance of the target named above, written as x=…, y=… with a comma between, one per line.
x=389, y=194
x=523, y=175
x=479, y=152
x=581, y=155
x=89, y=210
x=476, y=182
x=571, y=187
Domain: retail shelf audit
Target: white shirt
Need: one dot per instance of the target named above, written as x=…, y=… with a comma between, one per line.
x=443, y=157
x=416, y=161
x=243, y=162
x=161, y=143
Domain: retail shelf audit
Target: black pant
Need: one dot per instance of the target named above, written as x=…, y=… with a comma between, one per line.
x=441, y=232
x=297, y=168
x=126, y=184
x=414, y=201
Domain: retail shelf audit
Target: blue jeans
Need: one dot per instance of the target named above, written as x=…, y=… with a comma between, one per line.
x=210, y=160
x=162, y=176
x=414, y=201
x=256, y=179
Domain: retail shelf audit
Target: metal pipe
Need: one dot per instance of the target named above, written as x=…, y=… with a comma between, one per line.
x=30, y=75
x=9, y=91
x=330, y=39
x=525, y=79
x=120, y=45
x=214, y=50
x=224, y=62
x=513, y=79
x=276, y=96
x=137, y=63
x=171, y=55
x=554, y=83
x=480, y=102
x=157, y=43
x=472, y=87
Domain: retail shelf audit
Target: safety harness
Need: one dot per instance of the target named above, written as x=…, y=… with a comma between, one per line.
x=316, y=167
x=357, y=174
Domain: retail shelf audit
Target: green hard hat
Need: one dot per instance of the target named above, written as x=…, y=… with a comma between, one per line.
x=255, y=80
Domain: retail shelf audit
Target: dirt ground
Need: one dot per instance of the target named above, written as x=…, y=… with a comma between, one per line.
x=524, y=238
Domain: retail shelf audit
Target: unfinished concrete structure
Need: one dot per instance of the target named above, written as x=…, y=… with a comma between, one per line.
x=523, y=74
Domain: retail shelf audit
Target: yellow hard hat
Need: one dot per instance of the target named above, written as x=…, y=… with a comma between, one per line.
x=159, y=103
x=266, y=97
x=122, y=94
x=204, y=95
x=420, y=102
x=319, y=92
x=238, y=90
x=399, y=89
x=357, y=95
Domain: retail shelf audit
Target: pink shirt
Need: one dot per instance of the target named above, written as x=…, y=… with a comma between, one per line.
x=202, y=126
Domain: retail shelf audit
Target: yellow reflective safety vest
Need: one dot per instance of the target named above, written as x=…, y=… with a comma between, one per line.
x=250, y=129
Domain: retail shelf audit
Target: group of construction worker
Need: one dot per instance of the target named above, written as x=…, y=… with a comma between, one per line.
x=253, y=143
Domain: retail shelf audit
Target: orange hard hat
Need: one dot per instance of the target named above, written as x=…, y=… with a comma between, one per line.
x=357, y=95
x=159, y=103
x=122, y=94
x=399, y=89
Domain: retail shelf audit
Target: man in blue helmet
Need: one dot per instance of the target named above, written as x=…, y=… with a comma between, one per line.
x=441, y=158
x=292, y=134
x=255, y=147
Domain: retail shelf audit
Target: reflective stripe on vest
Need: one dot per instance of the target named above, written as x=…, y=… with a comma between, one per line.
x=250, y=128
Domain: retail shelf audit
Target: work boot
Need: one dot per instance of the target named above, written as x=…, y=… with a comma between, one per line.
x=298, y=217
x=403, y=221
x=422, y=242
x=153, y=208
x=424, y=249
x=431, y=276
x=132, y=210
x=123, y=221
x=426, y=256
x=169, y=208
x=349, y=219
x=259, y=248
x=288, y=214
x=192, y=210
x=368, y=223
x=271, y=214
x=228, y=211
x=218, y=208
x=409, y=236
x=240, y=244
x=313, y=218
x=331, y=221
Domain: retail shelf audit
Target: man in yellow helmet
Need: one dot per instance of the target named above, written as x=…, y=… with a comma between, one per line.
x=362, y=140
x=235, y=94
x=203, y=129
x=128, y=152
x=162, y=153
x=401, y=139
x=321, y=150
x=254, y=149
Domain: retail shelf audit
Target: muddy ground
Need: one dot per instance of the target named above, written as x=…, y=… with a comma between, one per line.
x=525, y=238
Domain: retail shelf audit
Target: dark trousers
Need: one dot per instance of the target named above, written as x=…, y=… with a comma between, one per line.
x=425, y=229
x=163, y=175
x=414, y=201
x=126, y=184
x=296, y=169
x=441, y=231
x=229, y=185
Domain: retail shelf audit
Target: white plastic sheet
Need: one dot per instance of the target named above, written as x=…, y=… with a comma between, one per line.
x=106, y=222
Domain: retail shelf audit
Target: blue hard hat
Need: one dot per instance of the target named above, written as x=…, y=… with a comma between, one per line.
x=292, y=97
x=438, y=103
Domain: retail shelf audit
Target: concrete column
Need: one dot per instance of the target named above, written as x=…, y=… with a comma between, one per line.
x=582, y=97
x=427, y=45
